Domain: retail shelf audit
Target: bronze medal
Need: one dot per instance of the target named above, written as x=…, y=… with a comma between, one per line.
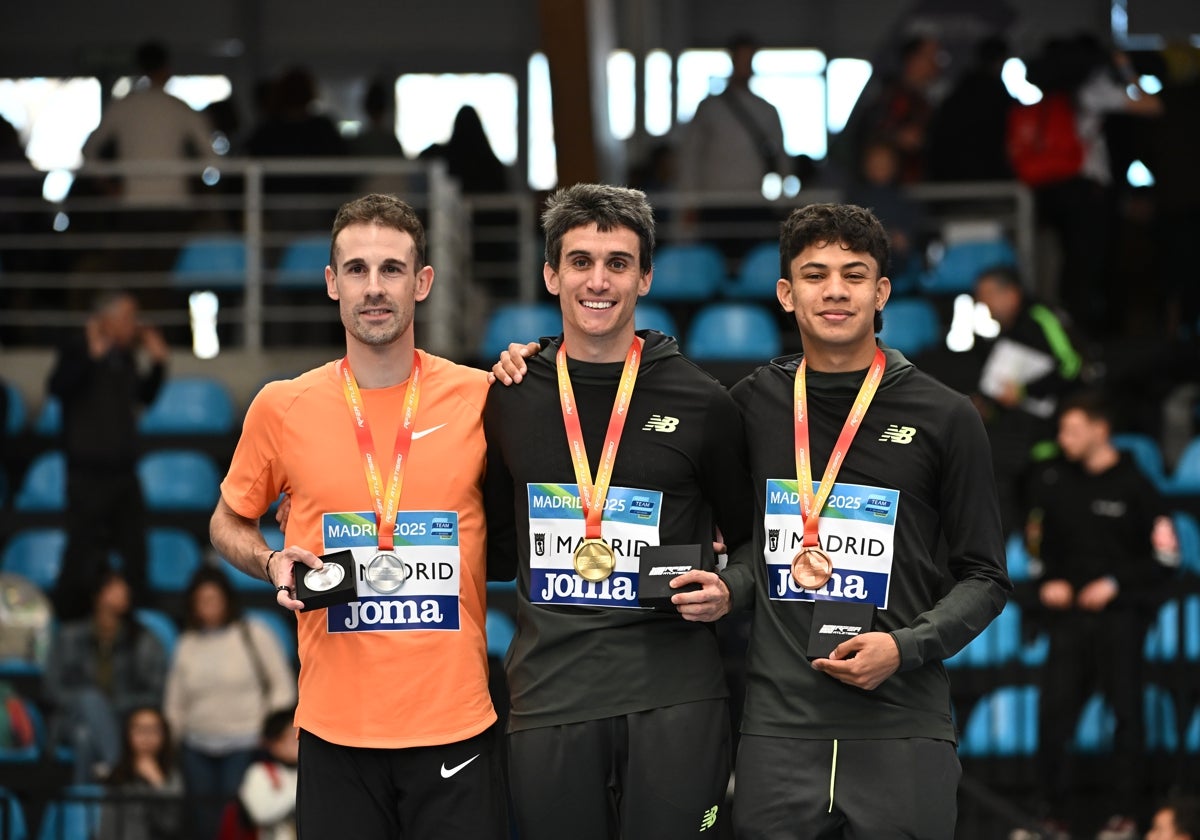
x=594, y=560
x=811, y=568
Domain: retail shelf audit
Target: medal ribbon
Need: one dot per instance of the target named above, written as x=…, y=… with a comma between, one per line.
x=592, y=495
x=386, y=499
x=810, y=505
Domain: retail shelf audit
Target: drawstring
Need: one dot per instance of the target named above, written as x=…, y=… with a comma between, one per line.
x=832, y=775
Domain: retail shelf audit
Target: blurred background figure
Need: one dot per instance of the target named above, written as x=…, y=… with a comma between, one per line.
x=469, y=157
x=267, y=796
x=145, y=789
x=227, y=675
x=1177, y=819
x=966, y=131
x=102, y=385
x=100, y=669
x=878, y=187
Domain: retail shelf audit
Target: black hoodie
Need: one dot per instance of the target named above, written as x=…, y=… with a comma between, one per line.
x=918, y=472
x=585, y=651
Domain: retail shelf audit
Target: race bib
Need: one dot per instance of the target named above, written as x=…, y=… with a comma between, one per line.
x=857, y=531
x=426, y=543
x=556, y=528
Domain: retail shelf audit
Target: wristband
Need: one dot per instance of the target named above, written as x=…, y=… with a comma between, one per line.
x=267, y=567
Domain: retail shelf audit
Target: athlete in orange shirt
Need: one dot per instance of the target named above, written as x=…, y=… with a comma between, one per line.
x=381, y=453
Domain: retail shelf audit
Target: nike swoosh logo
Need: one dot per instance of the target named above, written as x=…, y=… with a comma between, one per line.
x=446, y=774
x=423, y=432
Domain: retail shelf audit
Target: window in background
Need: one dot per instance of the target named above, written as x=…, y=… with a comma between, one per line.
x=845, y=79
x=658, y=93
x=426, y=105
x=543, y=164
x=622, y=70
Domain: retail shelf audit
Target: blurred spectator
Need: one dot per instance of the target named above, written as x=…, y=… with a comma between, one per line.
x=1176, y=168
x=227, y=675
x=877, y=188
x=469, y=156
x=100, y=669
x=967, y=130
x=735, y=137
x=267, y=796
x=146, y=126
x=900, y=111
x=145, y=789
x=378, y=139
x=101, y=387
x=1105, y=542
x=1033, y=362
x=1177, y=819
x=1082, y=210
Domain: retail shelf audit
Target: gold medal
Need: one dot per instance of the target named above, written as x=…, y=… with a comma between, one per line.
x=594, y=560
x=811, y=568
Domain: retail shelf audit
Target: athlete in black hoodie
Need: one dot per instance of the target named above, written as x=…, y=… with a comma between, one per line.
x=619, y=719
x=858, y=743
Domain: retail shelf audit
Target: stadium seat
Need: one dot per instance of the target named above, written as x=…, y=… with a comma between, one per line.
x=1191, y=628
x=1146, y=454
x=49, y=418
x=14, y=416
x=1191, y=738
x=243, y=582
x=999, y=642
x=651, y=316
x=687, y=272
x=1018, y=559
x=1162, y=639
x=1094, y=730
x=1003, y=723
x=303, y=263
x=911, y=325
x=1187, y=531
x=500, y=631
x=172, y=557
x=12, y=817
x=36, y=554
x=161, y=625
x=179, y=479
x=518, y=322
x=211, y=261
x=76, y=816
x=44, y=487
x=757, y=274
x=273, y=536
x=31, y=752
x=1162, y=733
x=962, y=262
x=190, y=405
x=1186, y=477
x=279, y=623
x=733, y=332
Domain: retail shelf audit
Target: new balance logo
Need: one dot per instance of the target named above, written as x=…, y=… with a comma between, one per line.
x=709, y=819
x=840, y=629
x=898, y=434
x=660, y=423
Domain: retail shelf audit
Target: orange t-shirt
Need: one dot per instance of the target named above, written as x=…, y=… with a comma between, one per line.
x=395, y=670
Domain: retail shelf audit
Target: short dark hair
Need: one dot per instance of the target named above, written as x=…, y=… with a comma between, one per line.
x=1005, y=274
x=1093, y=403
x=383, y=210
x=1185, y=812
x=605, y=206
x=151, y=57
x=854, y=228
x=278, y=722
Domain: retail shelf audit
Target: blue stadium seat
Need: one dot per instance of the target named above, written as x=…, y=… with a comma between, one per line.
x=273, y=536
x=303, y=263
x=500, y=631
x=12, y=817
x=518, y=322
x=14, y=418
x=36, y=554
x=687, y=272
x=282, y=624
x=190, y=405
x=757, y=274
x=999, y=642
x=962, y=262
x=1162, y=733
x=161, y=626
x=1146, y=454
x=1186, y=477
x=49, y=418
x=911, y=325
x=1003, y=723
x=1162, y=639
x=651, y=316
x=172, y=557
x=243, y=582
x=44, y=487
x=179, y=479
x=211, y=261
x=1188, y=533
x=1094, y=730
x=733, y=332
x=1018, y=559
x=1191, y=738
x=1191, y=628
x=76, y=816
